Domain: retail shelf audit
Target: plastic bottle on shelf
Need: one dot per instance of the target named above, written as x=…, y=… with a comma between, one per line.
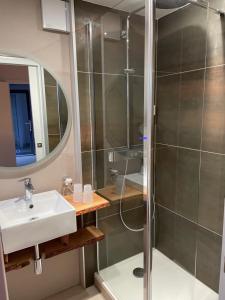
x=88, y=193
x=77, y=192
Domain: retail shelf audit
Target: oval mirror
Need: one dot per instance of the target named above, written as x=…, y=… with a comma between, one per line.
x=33, y=112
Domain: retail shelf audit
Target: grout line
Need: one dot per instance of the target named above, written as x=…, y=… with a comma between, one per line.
x=189, y=71
x=189, y=220
x=191, y=149
x=124, y=211
x=122, y=148
x=110, y=74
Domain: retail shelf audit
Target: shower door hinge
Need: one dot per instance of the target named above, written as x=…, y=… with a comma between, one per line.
x=154, y=110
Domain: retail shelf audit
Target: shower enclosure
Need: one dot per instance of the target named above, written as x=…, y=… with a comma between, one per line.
x=157, y=157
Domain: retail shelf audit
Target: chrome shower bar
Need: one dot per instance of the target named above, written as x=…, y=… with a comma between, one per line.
x=204, y=4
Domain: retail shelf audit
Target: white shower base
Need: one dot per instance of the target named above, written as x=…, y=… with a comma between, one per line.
x=170, y=281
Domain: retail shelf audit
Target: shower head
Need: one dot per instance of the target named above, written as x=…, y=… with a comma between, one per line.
x=170, y=4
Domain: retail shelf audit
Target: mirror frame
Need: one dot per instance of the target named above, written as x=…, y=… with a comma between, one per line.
x=16, y=172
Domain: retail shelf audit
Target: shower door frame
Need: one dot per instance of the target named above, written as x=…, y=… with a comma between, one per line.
x=149, y=79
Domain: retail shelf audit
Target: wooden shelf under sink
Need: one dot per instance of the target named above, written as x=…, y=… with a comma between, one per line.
x=86, y=236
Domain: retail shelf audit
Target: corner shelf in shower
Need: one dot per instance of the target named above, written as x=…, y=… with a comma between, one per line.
x=84, y=208
x=110, y=194
x=83, y=237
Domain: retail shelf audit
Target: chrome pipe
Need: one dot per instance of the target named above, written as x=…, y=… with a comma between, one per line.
x=128, y=79
x=37, y=261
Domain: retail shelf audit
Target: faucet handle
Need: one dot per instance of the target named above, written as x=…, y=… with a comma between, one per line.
x=26, y=180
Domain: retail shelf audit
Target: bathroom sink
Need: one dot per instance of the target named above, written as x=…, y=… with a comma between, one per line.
x=21, y=226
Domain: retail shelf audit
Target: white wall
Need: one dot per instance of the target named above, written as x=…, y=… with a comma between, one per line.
x=21, y=34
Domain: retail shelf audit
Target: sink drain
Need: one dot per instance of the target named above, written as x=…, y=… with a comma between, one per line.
x=138, y=272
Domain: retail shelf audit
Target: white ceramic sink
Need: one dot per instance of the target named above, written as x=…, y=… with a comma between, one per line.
x=21, y=227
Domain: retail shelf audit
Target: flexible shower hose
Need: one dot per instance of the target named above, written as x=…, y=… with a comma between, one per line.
x=121, y=198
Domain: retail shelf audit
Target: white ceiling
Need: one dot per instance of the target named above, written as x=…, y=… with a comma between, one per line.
x=130, y=5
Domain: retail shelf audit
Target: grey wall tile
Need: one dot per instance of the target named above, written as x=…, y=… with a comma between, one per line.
x=52, y=109
x=90, y=253
x=166, y=161
x=84, y=13
x=190, y=111
x=165, y=222
x=120, y=163
x=169, y=44
x=185, y=243
x=208, y=258
x=187, y=183
x=212, y=191
x=137, y=43
x=213, y=137
x=215, y=35
x=85, y=119
x=136, y=109
x=87, y=167
x=122, y=243
x=110, y=110
x=168, y=95
x=194, y=24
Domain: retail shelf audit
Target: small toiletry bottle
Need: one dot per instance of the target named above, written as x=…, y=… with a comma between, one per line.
x=77, y=192
x=67, y=187
x=88, y=193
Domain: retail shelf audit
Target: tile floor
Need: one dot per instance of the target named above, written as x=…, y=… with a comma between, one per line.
x=78, y=293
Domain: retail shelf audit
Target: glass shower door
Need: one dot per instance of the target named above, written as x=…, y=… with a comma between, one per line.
x=119, y=137
x=189, y=160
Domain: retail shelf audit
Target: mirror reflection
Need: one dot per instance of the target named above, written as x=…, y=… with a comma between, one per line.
x=33, y=112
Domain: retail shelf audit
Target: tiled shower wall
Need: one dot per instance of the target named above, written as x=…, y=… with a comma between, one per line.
x=106, y=131
x=190, y=154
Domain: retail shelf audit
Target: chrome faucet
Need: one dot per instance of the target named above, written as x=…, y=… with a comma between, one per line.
x=29, y=189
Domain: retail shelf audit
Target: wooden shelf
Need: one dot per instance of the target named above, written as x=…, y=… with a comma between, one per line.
x=109, y=193
x=86, y=236
x=83, y=208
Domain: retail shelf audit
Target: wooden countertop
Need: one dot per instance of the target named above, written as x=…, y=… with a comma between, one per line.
x=110, y=193
x=83, y=208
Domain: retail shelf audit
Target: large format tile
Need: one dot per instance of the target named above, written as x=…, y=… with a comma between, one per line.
x=84, y=13
x=165, y=222
x=208, y=258
x=136, y=109
x=113, y=163
x=187, y=183
x=176, y=238
x=193, y=24
x=169, y=44
x=120, y=242
x=212, y=191
x=215, y=35
x=213, y=137
x=52, y=109
x=85, y=108
x=168, y=95
x=166, y=161
x=137, y=43
x=190, y=111
x=110, y=111
x=87, y=167
x=185, y=243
